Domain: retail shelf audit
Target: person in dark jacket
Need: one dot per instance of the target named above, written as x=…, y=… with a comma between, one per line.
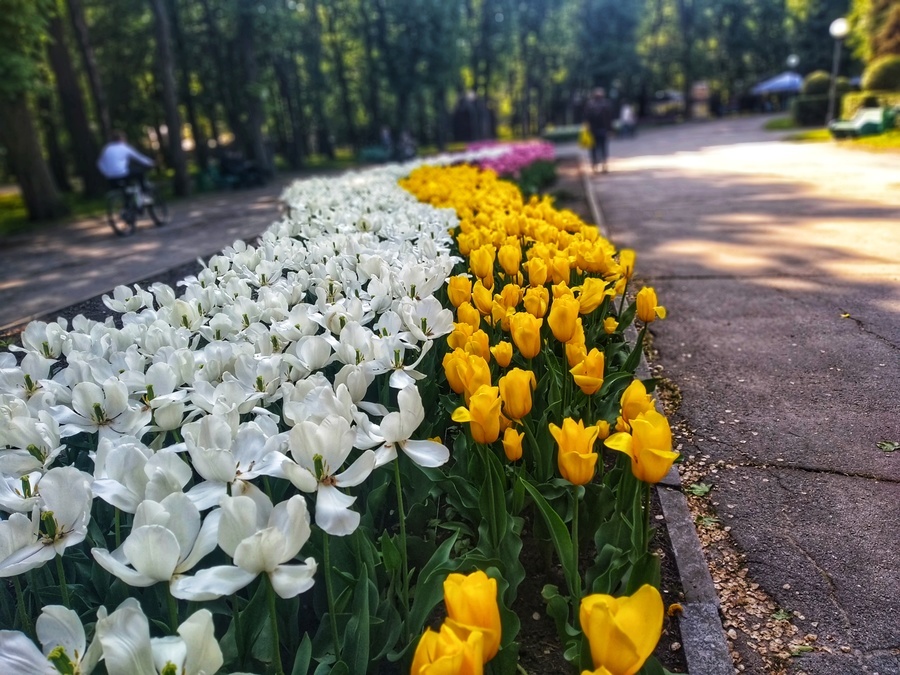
x=598, y=115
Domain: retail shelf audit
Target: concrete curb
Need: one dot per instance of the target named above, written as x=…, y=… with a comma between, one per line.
x=702, y=635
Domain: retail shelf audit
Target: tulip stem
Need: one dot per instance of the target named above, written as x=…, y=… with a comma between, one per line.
x=646, y=516
x=238, y=634
x=173, y=610
x=332, y=610
x=63, y=587
x=520, y=669
x=624, y=295
x=273, y=618
x=118, y=526
x=20, y=604
x=404, y=560
x=576, y=592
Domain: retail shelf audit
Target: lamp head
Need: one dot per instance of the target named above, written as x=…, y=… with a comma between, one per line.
x=839, y=28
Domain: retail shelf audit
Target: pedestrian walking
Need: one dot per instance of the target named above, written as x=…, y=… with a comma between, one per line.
x=598, y=115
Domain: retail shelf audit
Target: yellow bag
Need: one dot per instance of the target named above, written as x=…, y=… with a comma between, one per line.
x=586, y=138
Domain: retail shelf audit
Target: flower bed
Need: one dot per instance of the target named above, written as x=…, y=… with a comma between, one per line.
x=288, y=465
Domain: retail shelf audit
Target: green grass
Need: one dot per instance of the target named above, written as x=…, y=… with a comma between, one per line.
x=810, y=136
x=780, y=124
x=14, y=215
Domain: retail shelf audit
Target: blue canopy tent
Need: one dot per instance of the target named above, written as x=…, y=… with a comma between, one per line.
x=787, y=82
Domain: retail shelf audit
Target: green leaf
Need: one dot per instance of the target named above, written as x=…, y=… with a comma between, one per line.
x=888, y=446
x=699, y=489
x=356, y=636
x=614, y=384
x=559, y=534
x=493, y=499
x=634, y=358
x=390, y=554
x=303, y=656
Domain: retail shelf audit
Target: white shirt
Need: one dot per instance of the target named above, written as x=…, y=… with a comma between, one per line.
x=113, y=162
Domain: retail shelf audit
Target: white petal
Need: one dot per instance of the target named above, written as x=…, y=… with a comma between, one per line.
x=84, y=396
x=239, y=520
x=291, y=580
x=426, y=453
x=300, y=477
x=261, y=552
x=392, y=427
x=21, y=656
x=207, y=494
x=411, y=410
x=211, y=583
x=166, y=650
x=292, y=519
x=332, y=511
x=183, y=520
x=357, y=472
x=153, y=551
x=61, y=627
x=125, y=636
x=205, y=542
x=203, y=652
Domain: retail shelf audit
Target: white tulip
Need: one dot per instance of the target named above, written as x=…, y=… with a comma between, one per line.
x=105, y=409
x=398, y=427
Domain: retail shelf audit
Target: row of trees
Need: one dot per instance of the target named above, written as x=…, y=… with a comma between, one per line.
x=296, y=77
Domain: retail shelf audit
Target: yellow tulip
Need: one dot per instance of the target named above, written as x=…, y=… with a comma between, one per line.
x=455, y=363
x=526, y=333
x=459, y=336
x=479, y=344
x=599, y=671
x=634, y=401
x=622, y=632
x=589, y=373
x=563, y=313
x=576, y=348
x=459, y=289
x=537, y=272
x=444, y=653
x=649, y=445
x=559, y=269
x=512, y=444
x=483, y=298
x=483, y=414
x=502, y=352
x=562, y=289
x=481, y=261
x=515, y=391
x=647, y=307
x=466, y=313
x=576, y=458
x=626, y=262
x=592, y=294
x=610, y=325
x=510, y=257
x=537, y=299
x=471, y=602
x=510, y=296
x=475, y=373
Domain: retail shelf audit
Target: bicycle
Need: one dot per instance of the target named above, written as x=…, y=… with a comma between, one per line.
x=125, y=204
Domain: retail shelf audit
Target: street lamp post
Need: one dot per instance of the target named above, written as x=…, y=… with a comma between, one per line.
x=838, y=29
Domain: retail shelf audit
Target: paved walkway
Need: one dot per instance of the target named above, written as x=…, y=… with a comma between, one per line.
x=43, y=272
x=780, y=266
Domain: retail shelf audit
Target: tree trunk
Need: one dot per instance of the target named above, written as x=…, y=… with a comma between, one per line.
x=317, y=81
x=256, y=114
x=686, y=21
x=215, y=43
x=340, y=70
x=201, y=150
x=58, y=166
x=443, y=119
x=182, y=184
x=372, y=89
x=82, y=35
x=84, y=149
x=294, y=148
x=18, y=135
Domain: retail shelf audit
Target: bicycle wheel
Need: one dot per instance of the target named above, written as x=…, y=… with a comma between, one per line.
x=120, y=213
x=157, y=208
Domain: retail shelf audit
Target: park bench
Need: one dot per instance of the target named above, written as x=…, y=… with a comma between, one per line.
x=866, y=122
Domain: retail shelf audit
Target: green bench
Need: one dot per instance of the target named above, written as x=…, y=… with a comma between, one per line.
x=866, y=122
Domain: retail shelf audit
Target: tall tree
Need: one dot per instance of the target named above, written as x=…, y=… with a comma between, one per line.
x=166, y=67
x=22, y=24
x=246, y=37
x=82, y=36
x=81, y=138
x=201, y=151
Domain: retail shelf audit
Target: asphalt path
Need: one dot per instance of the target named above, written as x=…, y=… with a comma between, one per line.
x=44, y=271
x=779, y=264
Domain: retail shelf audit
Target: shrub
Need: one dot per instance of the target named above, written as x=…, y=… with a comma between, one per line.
x=883, y=74
x=816, y=83
x=810, y=111
x=851, y=103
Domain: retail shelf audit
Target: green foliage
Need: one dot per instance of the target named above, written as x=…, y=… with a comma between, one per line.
x=816, y=83
x=852, y=102
x=810, y=111
x=537, y=178
x=883, y=74
x=22, y=24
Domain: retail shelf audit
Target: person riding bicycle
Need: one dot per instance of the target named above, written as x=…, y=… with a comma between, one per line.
x=121, y=164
